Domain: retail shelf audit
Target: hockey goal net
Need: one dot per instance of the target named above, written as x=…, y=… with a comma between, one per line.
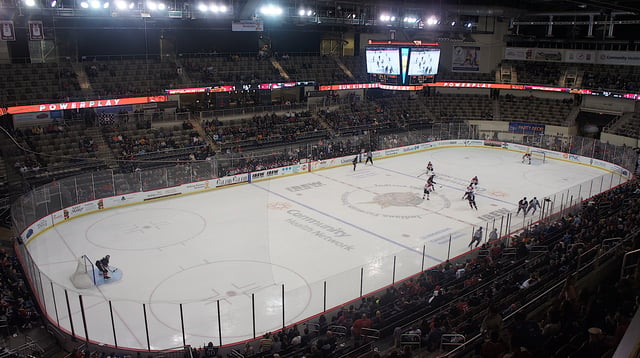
x=85, y=275
x=538, y=157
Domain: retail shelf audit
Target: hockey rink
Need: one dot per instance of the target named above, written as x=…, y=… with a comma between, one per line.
x=315, y=240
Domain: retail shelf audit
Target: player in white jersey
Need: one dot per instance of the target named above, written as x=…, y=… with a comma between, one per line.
x=468, y=192
x=526, y=158
x=428, y=188
x=429, y=167
x=474, y=181
x=534, y=204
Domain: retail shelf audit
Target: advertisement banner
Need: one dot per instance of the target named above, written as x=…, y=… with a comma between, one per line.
x=7, y=31
x=247, y=25
x=85, y=104
x=474, y=85
x=36, y=31
x=618, y=58
x=553, y=55
x=465, y=59
x=579, y=56
x=526, y=128
x=518, y=53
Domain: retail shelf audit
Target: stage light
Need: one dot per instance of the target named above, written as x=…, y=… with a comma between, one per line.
x=202, y=7
x=271, y=10
x=222, y=8
x=468, y=25
x=84, y=5
x=131, y=5
x=301, y=12
x=410, y=19
x=54, y=3
x=213, y=8
x=432, y=20
x=95, y=4
x=105, y=5
x=120, y=4
x=161, y=6
x=152, y=5
x=453, y=23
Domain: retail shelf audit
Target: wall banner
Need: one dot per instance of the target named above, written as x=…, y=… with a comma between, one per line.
x=465, y=59
x=36, y=31
x=7, y=31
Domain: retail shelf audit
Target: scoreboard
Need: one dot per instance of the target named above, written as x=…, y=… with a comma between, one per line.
x=402, y=63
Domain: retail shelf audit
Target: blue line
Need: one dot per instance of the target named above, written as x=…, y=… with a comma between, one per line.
x=350, y=224
x=441, y=231
x=448, y=186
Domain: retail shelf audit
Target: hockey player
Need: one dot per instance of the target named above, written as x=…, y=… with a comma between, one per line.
x=472, y=201
x=369, y=157
x=429, y=167
x=468, y=192
x=103, y=266
x=355, y=162
x=428, y=188
x=474, y=181
x=477, y=237
x=526, y=158
x=523, y=204
x=534, y=204
x=431, y=181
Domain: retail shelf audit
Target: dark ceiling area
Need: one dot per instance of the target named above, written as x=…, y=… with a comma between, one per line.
x=549, y=6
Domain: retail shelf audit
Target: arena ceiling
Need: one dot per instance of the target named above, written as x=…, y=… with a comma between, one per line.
x=562, y=6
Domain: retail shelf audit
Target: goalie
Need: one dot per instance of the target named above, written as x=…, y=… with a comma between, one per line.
x=103, y=266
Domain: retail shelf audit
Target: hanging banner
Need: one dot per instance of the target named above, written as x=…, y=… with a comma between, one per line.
x=36, y=31
x=247, y=25
x=7, y=31
x=465, y=59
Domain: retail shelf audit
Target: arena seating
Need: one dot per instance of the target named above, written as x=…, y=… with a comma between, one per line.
x=228, y=69
x=129, y=77
x=535, y=110
x=265, y=130
x=28, y=83
x=145, y=148
x=465, y=291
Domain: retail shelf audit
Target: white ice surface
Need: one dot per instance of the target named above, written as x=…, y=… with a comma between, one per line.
x=303, y=232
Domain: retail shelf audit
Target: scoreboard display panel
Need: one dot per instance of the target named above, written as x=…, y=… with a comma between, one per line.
x=423, y=61
x=383, y=60
x=402, y=63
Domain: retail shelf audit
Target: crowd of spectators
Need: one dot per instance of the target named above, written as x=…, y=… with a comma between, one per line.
x=17, y=309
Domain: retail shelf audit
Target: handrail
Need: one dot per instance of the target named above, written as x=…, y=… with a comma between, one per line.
x=451, y=342
x=624, y=261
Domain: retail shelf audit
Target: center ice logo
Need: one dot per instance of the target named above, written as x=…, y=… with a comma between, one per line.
x=396, y=199
x=393, y=201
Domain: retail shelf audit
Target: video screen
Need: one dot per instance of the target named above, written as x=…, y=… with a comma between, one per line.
x=383, y=61
x=423, y=61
